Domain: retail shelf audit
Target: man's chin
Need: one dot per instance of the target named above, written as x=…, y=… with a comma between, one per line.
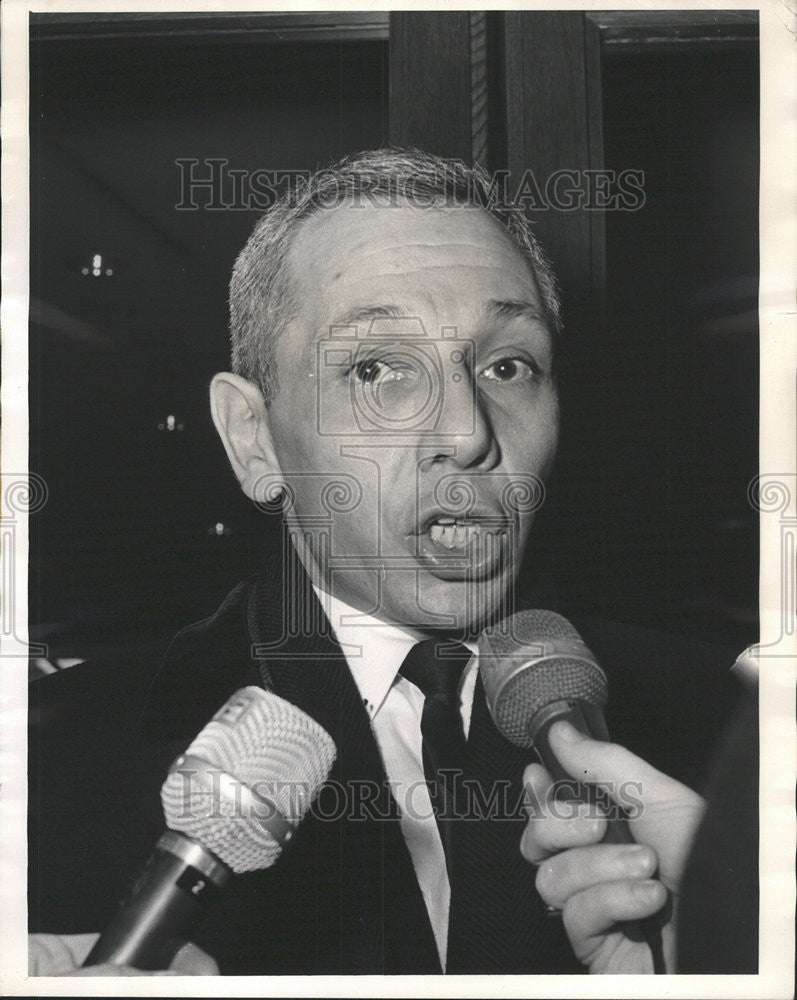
x=445, y=599
x=461, y=605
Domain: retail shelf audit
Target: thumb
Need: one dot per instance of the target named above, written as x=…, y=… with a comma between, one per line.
x=664, y=813
x=613, y=767
x=191, y=960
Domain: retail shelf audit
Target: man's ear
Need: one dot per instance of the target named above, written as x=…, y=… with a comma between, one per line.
x=241, y=418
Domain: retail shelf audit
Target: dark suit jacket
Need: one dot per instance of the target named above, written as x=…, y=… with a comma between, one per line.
x=343, y=898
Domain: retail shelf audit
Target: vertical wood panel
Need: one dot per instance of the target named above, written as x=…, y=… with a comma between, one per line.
x=430, y=82
x=479, y=97
x=594, y=112
x=553, y=112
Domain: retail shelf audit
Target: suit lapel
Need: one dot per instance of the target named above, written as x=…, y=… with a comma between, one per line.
x=373, y=890
x=204, y=664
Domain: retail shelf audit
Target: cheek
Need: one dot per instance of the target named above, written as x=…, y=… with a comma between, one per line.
x=549, y=441
x=529, y=441
x=546, y=422
x=306, y=465
x=296, y=455
x=294, y=429
x=333, y=492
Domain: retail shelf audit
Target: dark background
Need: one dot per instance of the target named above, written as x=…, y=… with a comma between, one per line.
x=661, y=406
x=647, y=520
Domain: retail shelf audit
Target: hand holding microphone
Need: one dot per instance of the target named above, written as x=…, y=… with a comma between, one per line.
x=600, y=886
x=608, y=877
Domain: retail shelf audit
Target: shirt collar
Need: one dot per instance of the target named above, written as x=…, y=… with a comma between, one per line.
x=374, y=649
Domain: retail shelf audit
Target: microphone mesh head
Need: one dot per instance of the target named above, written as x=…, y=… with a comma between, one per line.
x=268, y=747
x=529, y=661
x=528, y=627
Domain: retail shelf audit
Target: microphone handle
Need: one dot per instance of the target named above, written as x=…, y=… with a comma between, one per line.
x=165, y=899
x=589, y=720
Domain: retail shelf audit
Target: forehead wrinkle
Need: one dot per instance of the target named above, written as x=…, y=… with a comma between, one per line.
x=479, y=249
x=471, y=265
x=421, y=268
x=514, y=309
x=362, y=313
x=434, y=244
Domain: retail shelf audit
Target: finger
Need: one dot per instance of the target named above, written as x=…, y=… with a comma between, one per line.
x=79, y=946
x=48, y=955
x=571, y=872
x=561, y=826
x=57, y=954
x=589, y=915
x=191, y=960
x=537, y=786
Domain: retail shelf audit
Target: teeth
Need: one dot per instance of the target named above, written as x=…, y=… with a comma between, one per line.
x=450, y=533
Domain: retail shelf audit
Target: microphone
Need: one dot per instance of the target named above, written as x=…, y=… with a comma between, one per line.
x=231, y=802
x=537, y=670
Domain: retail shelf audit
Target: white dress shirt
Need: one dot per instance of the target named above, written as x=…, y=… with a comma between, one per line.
x=374, y=651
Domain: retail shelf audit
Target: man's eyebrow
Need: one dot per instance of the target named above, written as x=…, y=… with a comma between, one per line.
x=365, y=314
x=514, y=309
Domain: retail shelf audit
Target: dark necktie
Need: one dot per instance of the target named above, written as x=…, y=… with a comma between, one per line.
x=435, y=666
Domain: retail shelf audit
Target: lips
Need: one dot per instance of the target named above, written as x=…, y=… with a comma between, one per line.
x=461, y=547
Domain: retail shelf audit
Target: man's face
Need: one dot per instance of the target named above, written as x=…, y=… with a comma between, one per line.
x=416, y=409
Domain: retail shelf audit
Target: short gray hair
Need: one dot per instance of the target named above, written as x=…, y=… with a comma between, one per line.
x=261, y=299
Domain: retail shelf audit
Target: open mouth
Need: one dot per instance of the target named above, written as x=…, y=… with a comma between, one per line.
x=454, y=534
x=465, y=547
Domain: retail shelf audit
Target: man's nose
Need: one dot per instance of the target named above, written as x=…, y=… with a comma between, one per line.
x=464, y=427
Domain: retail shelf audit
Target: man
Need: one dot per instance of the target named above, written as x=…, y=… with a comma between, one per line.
x=394, y=336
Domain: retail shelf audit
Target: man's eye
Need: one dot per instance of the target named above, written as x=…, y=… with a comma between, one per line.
x=510, y=370
x=373, y=372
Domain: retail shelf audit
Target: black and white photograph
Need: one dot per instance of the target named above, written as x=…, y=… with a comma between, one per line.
x=398, y=545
